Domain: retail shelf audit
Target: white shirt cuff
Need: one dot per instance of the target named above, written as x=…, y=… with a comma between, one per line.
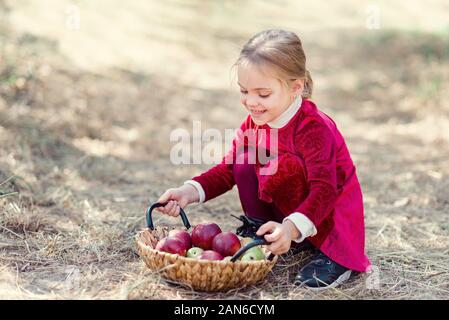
x=303, y=224
x=199, y=188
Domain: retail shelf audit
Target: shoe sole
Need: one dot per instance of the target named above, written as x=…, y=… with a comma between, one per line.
x=340, y=280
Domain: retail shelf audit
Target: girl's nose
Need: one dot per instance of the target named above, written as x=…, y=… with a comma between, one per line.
x=251, y=102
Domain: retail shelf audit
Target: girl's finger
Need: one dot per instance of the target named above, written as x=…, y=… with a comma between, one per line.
x=278, y=248
x=173, y=209
x=265, y=228
x=163, y=209
x=177, y=211
x=274, y=247
x=274, y=236
x=169, y=207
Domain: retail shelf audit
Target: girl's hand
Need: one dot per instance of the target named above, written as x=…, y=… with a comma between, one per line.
x=177, y=198
x=280, y=235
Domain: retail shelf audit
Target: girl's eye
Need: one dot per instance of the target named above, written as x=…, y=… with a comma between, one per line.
x=260, y=95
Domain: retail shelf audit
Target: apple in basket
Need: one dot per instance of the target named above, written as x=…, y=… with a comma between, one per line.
x=253, y=254
x=183, y=235
x=194, y=252
x=172, y=245
x=210, y=255
x=203, y=234
x=226, y=243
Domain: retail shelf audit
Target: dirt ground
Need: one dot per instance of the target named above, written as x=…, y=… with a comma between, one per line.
x=90, y=92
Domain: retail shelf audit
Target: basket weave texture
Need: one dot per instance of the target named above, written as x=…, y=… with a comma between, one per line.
x=200, y=275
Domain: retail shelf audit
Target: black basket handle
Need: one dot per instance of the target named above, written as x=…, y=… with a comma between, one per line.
x=256, y=242
x=157, y=205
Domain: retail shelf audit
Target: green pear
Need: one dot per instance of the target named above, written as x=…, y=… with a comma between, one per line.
x=194, y=252
x=253, y=254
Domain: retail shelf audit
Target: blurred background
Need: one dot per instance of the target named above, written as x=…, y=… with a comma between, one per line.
x=91, y=90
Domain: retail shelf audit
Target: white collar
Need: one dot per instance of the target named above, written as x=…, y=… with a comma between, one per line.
x=285, y=116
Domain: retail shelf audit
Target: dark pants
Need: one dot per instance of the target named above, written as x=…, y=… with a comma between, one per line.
x=247, y=184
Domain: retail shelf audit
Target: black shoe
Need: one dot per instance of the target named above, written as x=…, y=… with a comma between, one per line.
x=322, y=273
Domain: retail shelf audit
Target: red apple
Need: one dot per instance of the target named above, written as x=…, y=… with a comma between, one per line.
x=203, y=234
x=210, y=255
x=183, y=235
x=172, y=245
x=160, y=244
x=226, y=243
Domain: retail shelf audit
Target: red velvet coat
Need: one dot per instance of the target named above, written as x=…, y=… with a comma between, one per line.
x=323, y=185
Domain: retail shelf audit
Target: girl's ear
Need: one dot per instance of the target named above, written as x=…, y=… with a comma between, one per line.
x=298, y=87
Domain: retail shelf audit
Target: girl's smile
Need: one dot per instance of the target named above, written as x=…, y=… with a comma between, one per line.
x=257, y=113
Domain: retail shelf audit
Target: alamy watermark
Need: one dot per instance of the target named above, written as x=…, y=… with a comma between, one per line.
x=252, y=146
x=373, y=280
x=72, y=281
x=372, y=21
x=73, y=17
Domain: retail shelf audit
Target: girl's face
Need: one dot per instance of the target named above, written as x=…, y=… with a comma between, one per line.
x=264, y=96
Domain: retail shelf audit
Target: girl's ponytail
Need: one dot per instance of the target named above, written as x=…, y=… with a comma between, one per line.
x=308, y=86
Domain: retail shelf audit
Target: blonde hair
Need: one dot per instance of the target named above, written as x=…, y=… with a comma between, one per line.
x=282, y=51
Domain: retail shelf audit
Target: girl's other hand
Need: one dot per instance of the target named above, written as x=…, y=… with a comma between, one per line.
x=177, y=198
x=280, y=235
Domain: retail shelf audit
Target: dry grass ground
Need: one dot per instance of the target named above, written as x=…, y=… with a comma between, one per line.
x=86, y=115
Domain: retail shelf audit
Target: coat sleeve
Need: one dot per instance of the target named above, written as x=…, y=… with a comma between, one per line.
x=316, y=143
x=220, y=178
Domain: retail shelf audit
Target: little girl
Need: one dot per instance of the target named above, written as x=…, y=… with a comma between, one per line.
x=312, y=193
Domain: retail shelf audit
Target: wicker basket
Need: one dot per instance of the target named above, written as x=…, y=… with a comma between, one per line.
x=202, y=275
